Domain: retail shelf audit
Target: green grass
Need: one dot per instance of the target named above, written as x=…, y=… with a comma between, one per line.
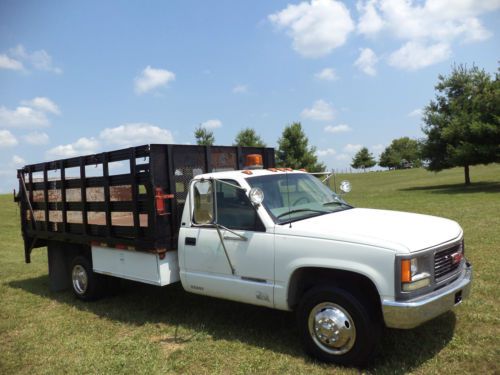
x=165, y=330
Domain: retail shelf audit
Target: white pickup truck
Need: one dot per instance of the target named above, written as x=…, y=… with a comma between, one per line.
x=280, y=238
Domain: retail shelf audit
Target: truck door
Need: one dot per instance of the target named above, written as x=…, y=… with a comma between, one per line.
x=232, y=258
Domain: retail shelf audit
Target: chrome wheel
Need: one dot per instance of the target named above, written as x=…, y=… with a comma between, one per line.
x=80, y=279
x=332, y=328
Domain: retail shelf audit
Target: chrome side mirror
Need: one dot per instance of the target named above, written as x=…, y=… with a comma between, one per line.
x=256, y=196
x=345, y=186
x=204, y=203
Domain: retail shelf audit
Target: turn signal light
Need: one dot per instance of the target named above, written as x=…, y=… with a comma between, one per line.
x=405, y=270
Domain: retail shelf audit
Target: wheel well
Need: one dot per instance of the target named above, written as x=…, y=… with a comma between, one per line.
x=304, y=279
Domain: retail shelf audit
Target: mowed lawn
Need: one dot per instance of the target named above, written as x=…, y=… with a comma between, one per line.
x=152, y=330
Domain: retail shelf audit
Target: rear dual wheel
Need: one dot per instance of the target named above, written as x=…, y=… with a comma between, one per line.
x=88, y=285
x=337, y=327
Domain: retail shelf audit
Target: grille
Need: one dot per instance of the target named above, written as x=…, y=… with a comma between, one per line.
x=443, y=262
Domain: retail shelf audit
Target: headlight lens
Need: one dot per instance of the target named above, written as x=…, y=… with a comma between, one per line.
x=415, y=273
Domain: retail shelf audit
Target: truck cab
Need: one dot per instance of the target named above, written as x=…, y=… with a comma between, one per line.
x=280, y=238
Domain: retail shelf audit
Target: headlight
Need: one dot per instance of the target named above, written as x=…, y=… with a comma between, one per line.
x=415, y=273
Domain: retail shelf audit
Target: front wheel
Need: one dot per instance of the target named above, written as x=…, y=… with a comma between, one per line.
x=336, y=327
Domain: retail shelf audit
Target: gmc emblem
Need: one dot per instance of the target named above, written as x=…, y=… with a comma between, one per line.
x=456, y=257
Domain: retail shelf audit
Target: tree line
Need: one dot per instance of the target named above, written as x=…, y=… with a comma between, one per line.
x=461, y=128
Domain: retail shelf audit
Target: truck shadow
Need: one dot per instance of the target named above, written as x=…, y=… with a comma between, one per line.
x=476, y=187
x=138, y=304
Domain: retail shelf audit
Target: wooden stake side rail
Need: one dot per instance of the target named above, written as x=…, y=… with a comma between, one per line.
x=118, y=209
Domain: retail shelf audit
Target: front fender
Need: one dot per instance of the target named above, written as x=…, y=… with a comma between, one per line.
x=376, y=264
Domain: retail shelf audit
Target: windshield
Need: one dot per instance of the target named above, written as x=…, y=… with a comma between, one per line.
x=296, y=196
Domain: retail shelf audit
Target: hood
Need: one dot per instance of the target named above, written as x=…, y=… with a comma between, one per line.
x=400, y=231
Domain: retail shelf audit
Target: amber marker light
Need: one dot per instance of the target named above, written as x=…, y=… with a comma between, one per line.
x=405, y=270
x=253, y=160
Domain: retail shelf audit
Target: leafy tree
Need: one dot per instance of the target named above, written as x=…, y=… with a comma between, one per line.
x=294, y=151
x=399, y=152
x=462, y=124
x=248, y=137
x=204, y=136
x=363, y=159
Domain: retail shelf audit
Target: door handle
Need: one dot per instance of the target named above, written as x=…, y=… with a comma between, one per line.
x=235, y=238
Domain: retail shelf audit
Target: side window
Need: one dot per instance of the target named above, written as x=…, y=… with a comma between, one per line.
x=234, y=209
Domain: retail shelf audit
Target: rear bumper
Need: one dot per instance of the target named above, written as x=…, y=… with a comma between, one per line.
x=412, y=313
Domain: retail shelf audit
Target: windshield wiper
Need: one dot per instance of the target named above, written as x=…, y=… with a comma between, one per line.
x=337, y=203
x=300, y=210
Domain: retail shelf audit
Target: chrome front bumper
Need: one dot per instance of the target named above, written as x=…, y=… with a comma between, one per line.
x=412, y=313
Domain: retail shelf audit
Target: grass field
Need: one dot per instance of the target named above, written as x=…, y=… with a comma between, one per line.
x=165, y=330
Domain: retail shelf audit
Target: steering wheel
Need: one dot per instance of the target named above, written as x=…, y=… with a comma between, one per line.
x=305, y=199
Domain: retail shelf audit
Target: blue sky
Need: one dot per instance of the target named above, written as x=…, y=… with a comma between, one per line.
x=83, y=77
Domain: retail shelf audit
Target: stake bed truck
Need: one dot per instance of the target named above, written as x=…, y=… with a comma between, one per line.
x=225, y=223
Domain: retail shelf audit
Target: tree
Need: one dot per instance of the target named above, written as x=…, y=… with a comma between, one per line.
x=401, y=151
x=248, y=137
x=462, y=124
x=294, y=151
x=204, y=136
x=363, y=159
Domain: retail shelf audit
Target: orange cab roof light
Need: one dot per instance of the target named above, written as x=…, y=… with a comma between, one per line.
x=253, y=161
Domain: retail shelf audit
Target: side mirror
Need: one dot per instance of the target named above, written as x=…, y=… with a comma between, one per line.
x=204, y=203
x=256, y=196
x=345, y=186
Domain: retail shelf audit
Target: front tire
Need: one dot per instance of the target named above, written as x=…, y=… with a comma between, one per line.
x=336, y=327
x=86, y=284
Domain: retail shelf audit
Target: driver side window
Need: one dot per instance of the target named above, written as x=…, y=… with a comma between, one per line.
x=234, y=209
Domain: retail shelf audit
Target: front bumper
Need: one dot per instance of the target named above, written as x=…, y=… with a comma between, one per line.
x=412, y=313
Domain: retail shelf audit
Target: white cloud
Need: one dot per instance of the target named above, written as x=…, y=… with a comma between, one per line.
x=82, y=146
x=370, y=21
x=36, y=138
x=211, y=124
x=240, y=89
x=134, y=134
x=425, y=27
x=8, y=63
x=439, y=20
x=22, y=117
x=327, y=74
x=316, y=27
x=366, y=61
x=342, y=157
x=415, y=55
x=7, y=139
x=17, y=161
x=30, y=114
x=327, y=152
x=416, y=113
x=321, y=111
x=39, y=60
x=43, y=104
x=151, y=78
x=352, y=148
x=342, y=128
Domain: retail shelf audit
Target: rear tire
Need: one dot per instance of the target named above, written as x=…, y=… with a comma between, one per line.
x=337, y=327
x=86, y=284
